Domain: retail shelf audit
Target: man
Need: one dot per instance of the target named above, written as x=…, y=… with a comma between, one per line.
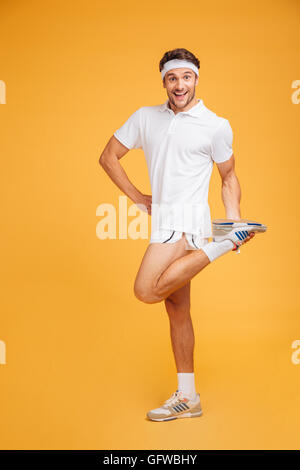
x=181, y=140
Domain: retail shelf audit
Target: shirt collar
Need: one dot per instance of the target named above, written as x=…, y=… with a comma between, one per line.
x=194, y=111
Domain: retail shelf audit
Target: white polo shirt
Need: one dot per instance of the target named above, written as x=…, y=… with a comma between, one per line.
x=180, y=150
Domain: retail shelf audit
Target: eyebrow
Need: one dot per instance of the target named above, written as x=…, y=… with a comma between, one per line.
x=184, y=73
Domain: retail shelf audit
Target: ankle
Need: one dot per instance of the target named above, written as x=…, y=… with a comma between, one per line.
x=214, y=250
x=186, y=384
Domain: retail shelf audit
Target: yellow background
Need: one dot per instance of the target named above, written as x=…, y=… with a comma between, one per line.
x=85, y=359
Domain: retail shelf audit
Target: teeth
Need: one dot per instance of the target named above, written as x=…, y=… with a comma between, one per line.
x=181, y=94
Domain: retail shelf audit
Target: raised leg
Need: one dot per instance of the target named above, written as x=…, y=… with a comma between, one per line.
x=165, y=268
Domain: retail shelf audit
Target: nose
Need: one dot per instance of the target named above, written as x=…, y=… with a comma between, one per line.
x=179, y=86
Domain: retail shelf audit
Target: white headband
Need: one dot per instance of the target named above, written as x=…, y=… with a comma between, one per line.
x=176, y=64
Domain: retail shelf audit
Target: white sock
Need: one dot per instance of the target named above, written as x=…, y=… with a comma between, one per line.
x=186, y=383
x=215, y=249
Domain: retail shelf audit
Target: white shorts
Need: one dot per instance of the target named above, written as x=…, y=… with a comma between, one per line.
x=195, y=242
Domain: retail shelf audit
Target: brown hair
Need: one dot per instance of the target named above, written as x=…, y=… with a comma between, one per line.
x=180, y=53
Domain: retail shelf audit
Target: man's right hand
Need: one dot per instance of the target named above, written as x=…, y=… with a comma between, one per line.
x=144, y=203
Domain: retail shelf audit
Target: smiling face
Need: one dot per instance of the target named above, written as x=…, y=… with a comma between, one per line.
x=180, y=85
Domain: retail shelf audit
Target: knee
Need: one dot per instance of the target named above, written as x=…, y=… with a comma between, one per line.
x=144, y=295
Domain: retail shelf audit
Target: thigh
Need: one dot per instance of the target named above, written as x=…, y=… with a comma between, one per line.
x=157, y=258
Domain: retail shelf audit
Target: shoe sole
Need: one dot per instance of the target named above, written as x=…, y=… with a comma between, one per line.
x=184, y=415
x=224, y=226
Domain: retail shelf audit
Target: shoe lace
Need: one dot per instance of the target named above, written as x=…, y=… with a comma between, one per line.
x=176, y=397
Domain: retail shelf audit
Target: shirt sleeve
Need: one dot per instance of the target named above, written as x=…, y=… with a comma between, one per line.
x=129, y=134
x=221, y=148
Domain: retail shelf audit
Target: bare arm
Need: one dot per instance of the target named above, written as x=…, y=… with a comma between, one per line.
x=109, y=160
x=231, y=190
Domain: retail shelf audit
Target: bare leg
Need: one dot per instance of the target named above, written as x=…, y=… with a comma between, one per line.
x=181, y=328
x=166, y=268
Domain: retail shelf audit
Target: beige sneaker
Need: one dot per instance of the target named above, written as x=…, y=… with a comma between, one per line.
x=178, y=406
